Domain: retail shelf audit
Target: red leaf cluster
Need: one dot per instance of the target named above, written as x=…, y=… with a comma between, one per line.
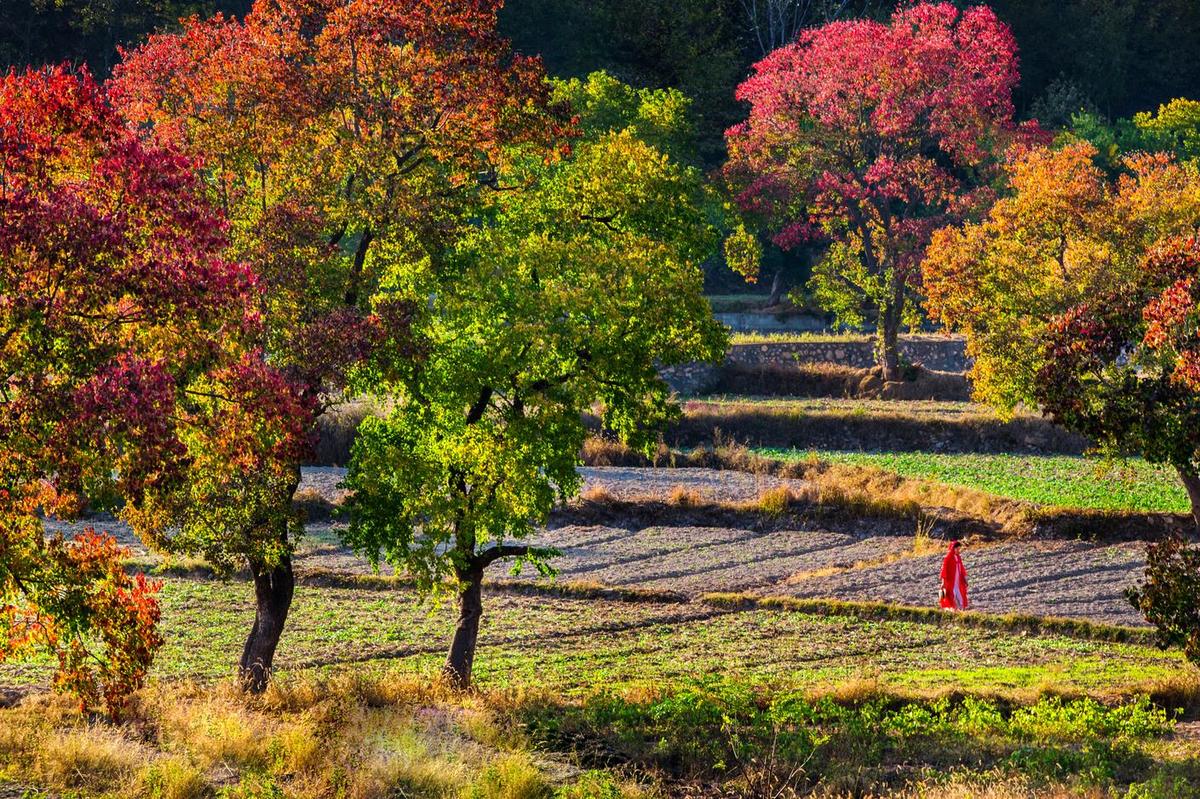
x=867, y=130
x=115, y=300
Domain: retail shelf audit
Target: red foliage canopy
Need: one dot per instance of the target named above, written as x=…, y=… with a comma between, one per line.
x=873, y=135
x=332, y=130
x=115, y=301
x=859, y=118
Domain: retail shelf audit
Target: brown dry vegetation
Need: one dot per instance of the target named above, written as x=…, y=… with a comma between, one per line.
x=897, y=428
x=835, y=380
x=392, y=735
x=346, y=736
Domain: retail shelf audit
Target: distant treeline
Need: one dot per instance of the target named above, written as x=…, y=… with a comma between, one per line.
x=1111, y=56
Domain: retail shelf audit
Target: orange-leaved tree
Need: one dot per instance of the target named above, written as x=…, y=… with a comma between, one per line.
x=118, y=314
x=345, y=140
x=1065, y=233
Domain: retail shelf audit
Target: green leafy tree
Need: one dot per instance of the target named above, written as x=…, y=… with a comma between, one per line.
x=1170, y=596
x=1175, y=128
x=576, y=284
x=340, y=140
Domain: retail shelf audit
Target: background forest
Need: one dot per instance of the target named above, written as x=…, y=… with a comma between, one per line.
x=1115, y=57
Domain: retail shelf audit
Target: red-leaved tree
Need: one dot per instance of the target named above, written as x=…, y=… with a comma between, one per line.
x=871, y=135
x=118, y=314
x=348, y=142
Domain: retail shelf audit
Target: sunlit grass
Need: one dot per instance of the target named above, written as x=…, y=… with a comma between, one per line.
x=1056, y=480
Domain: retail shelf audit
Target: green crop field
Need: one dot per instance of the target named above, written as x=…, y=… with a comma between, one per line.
x=924, y=409
x=1057, y=480
x=574, y=644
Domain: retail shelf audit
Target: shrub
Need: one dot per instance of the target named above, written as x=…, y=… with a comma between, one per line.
x=1170, y=597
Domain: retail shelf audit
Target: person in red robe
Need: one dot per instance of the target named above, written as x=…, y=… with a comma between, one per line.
x=954, y=580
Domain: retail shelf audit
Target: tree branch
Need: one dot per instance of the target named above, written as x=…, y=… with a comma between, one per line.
x=480, y=407
x=491, y=555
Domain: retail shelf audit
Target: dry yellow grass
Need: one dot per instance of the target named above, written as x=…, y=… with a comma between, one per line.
x=861, y=490
x=344, y=736
x=685, y=497
x=598, y=494
x=776, y=501
x=94, y=757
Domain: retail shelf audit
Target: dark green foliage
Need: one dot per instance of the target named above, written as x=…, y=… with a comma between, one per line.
x=1123, y=55
x=1170, y=597
x=90, y=31
x=696, y=46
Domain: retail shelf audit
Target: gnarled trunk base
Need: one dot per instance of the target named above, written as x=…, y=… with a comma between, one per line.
x=273, y=590
x=888, y=351
x=461, y=659
x=1191, y=482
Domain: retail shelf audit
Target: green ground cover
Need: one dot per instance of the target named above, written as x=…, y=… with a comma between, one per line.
x=798, y=337
x=736, y=303
x=790, y=337
x=572, y=645
x=1054, y=480
x=691, y=700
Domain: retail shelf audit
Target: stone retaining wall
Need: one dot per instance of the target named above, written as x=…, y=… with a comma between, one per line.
x=942, y=354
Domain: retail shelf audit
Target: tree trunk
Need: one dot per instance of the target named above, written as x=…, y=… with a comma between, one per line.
x=1192, y=483
x=776, y=289
x=462, y=650
x=273, y=589
x=887, y=345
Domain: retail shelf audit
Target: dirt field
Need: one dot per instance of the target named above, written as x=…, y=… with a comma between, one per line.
x=1074, y=579
x=697, y=560
x=1059, y=578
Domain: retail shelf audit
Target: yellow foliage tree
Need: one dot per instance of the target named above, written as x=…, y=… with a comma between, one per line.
x=1065, y=233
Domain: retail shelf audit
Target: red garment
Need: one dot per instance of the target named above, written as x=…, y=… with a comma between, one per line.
x=954, y=580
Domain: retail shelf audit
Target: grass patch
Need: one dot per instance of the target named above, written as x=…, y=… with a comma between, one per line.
x=1056, y=481
x=883, y=611
x=571, y=644
x=798, y=337
x=307, y=738
x=783, y=744
x=810, y=697
x=392, y=734
x=737, y=303
x=807, y=337
x=854, y=485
